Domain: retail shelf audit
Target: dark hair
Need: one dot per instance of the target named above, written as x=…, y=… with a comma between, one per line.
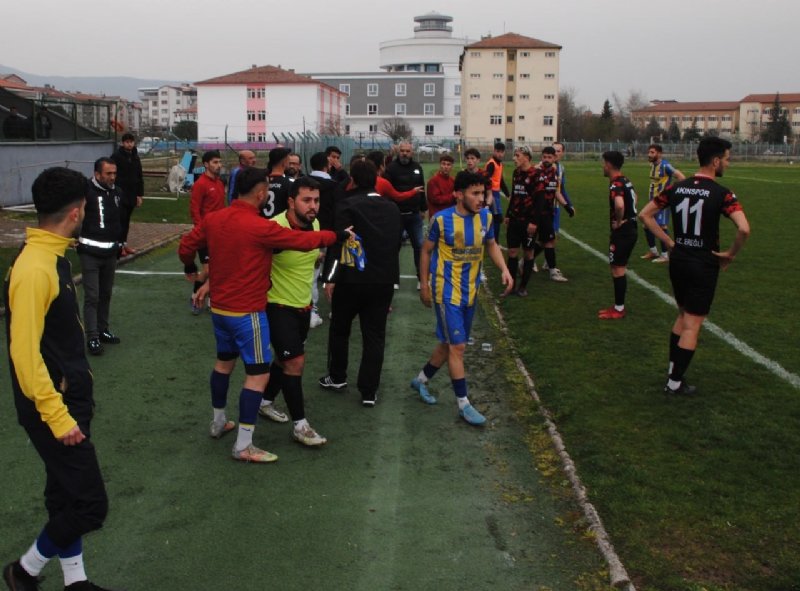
x=249, y=178
x=465, y=179
x=55, y=189
x=210, y=155
x=377, y=158
x=614, y=158
x=710, y=148
x=98, y=164
x=656, y=147
x=563, y=147
x=364, y=174
x=357, y=157
x=472, y=152
x=500, y=146
x=276, y=155
x=302, y=182
x=330, y=149
x=299, y=157
x=446, y=158
x=128, y=136
x=549, y=150
x=318, y=161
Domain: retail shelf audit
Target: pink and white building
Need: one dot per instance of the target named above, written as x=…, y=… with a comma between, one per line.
x=257, y=104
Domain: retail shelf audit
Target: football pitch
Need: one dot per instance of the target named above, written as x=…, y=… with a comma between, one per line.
x=696, y=493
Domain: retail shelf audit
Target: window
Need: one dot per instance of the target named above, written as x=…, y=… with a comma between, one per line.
x=429, y=130
x=429, y=89
x=509, y=119
x=525, y=54
x=373, y=128
x=458, y=90
x=674, y=119
x=251, y=115
x=345, y=88
x=687, y=118
x=165, y=102
x=512, y=55
x=520, y=138
x=510, y=98
x=372, y=108
x=524, y=97
x=475, y=97
x=399, y=109
x=400, y=89
x=474, y=54
x=251, y=137
x=511, y=77
x=261, y=137
x=662, y=119
x=372, y=90
x=547, y=120
x=521, y=117
x=524, y=75
x=498, y=53
x=456, y=129
x=347, y=108
x=456, y=110
x=262, y=115
x=347, y=129
x=549, y=54
x=475, y=75
x=548, y=138
x=497, y=97
x=431, y=67
x=549, y=76
x=251, y=93
x=700, y=118
x=549, y=97
x=726, y=117
x=797, y=111
x=429, y=109
x=498, y=76
x=495, y=119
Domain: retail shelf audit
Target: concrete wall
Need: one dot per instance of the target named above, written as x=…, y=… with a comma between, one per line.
x=21, y=163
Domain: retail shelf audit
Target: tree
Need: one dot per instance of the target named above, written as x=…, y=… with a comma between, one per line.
x=571, y=117
x=674, y=132
x=693, y=133
x=778, y=127
x=332, y=126
x=186, y=130
x=653, y=131
x=605, y=126
x=396, y=129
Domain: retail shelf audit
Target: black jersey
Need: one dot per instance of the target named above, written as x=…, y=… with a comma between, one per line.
x=278, y=196
x=696, y=205
x=527, y=197
x=548, y=179
x=621, y=186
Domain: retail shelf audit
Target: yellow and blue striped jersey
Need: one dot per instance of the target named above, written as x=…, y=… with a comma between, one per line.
x=660, y=176
x=458, y=254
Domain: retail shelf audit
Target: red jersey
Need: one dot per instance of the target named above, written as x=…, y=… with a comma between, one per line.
x=242, y=242
x=385, y=189
x=440, y=193
x=208, y=194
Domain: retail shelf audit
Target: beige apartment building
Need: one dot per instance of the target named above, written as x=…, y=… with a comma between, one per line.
x=509, y=90
x=755, y=112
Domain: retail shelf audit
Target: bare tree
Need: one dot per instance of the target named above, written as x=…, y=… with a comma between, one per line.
x=332, y=126
x=396, y=129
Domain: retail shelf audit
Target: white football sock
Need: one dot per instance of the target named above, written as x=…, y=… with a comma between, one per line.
x=73, y=569
x=32, y=561
x=245, y=436
x=463, y=402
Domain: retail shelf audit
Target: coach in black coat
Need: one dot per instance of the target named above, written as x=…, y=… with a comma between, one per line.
x=368, y=293
x=129, y=179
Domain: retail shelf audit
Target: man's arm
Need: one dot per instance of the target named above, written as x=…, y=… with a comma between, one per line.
x=742, y=233
x=648, y=217
x=195, y=203
x=424, y=272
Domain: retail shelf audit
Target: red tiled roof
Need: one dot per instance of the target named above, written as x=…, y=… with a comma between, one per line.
x=512, y=41
x=789, y=97
x=5, y=83
x=678, y=107
x=260, y=75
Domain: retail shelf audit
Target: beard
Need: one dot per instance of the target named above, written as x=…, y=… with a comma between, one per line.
x=404, y=159
x=291, y=171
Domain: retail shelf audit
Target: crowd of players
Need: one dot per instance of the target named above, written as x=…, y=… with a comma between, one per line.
x=265, y=240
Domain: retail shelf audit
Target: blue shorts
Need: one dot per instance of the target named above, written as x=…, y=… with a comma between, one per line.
x=453, y=323
x=662, y=217
x=246, y=337
x=497, y=204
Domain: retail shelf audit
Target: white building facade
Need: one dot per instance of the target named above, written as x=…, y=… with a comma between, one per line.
x=160, y=105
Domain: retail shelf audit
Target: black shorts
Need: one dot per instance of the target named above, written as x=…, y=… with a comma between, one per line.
x=517, y=234
x=203, y=254
x=694, y=283
x=545, y=231
x=620, y=247
x=288, y=330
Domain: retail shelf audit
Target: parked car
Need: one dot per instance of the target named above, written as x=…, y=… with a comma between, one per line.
x=431, y=149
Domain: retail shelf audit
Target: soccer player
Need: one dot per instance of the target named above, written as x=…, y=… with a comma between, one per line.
x=562, y=184
x=289, y=312
x=440, y=187
x=696, y=258
x=622, y=204
x=242, y=242
x=52, y=384
x=452, y=256
x=497, y=186
x=661, y=173
x=278, y=182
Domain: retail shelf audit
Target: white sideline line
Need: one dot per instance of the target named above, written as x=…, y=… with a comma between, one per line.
x=127, y=272
x=743, y=348
x=748, y=178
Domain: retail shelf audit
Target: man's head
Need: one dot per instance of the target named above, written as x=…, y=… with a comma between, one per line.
x=654, y=152
x=560, y=150
x=472, y=157
x=445, y=164
x=105, y=172
x=294, y=164
x=469, y=190
x=548, y=156
x=612, y=163
x=278, y=158
x=251, y=185
x=334, y=156
x=404, y=152
x=716, y=152
x=59, y=195
x=303, y=202
x=364, y=174
x=523, y=156
x=499, y=151
x=319, y=161
x=247, y=159
x=378, y=159
x=212, y=162
x=128, y=141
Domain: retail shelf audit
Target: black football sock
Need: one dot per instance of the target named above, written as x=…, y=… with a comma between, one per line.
x=293, y=394
x=620, y=287
x=275, y=383
x=527, y=270
x=513, y=267
x=537, y=248
x=650, y=237
x=683, y=357
x=550, y=257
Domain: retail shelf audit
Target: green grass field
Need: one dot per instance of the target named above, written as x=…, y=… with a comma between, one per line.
x=697, y=493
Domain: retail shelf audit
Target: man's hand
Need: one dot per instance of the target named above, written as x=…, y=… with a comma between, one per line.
x=328, y=289
x=425, y=294
x=73, y=437
x=139, y=200
x=199, y=297
x=725, y=258
x=570, y=210
x=419, y=189
x=531, y=229
x=507, y=280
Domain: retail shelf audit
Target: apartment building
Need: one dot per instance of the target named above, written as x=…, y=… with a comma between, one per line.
x=722, y=116
x=509, y=90
x=755, y=112
x=160, y=105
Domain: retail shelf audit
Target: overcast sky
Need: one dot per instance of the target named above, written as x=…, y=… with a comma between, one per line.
x=679, y=49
